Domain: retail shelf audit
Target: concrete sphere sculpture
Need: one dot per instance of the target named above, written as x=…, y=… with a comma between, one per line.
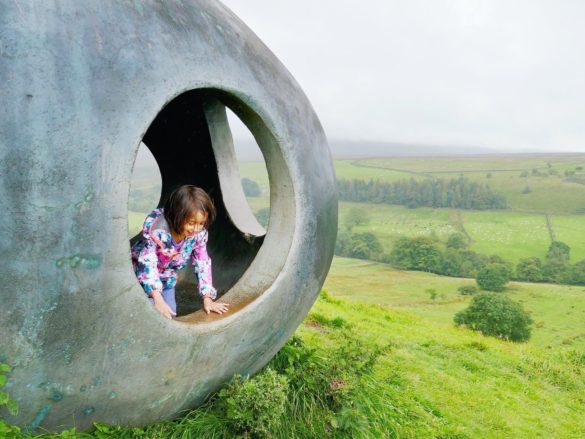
x=83, y=84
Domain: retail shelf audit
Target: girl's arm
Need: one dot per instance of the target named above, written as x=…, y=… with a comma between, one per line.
x=147, y=269
x=202, y=266
x=148, y=275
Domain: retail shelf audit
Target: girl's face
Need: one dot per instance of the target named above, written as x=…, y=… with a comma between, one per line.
x=195, y=223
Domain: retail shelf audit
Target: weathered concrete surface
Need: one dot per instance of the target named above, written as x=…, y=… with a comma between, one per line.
x=82, y=82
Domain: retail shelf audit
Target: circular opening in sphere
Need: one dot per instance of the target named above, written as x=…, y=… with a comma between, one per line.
x=191, y=143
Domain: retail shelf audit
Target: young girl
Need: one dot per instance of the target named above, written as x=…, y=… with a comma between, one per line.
x=170, y=237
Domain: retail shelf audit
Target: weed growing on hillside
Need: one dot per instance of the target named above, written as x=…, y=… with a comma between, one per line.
x=7, y=430
x=255, y=405
x=467, y=290
x=320, y=319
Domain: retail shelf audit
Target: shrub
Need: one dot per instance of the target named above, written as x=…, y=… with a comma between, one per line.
x=558, y=254
x=467, y=290
x=358, y=245
x=557, y=262
x=457, y=241
x=257, y=404
x=576, y=274
x=496, y=315
x=493, y=277
x=472, y=263
x=419, y=253
x=263, y=215
x=356, y=217
x=251, y=188
x=529, y=269
x=452, y=262
x=495, y=259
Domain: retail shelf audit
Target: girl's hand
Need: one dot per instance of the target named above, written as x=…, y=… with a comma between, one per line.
x=162, y=306
x=218, y=307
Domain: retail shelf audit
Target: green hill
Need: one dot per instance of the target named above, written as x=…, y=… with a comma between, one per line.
x=369, y=371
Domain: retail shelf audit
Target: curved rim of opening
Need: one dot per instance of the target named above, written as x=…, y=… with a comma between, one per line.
x=271, y=257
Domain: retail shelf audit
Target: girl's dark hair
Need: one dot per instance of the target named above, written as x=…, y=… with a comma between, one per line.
x=185, y=201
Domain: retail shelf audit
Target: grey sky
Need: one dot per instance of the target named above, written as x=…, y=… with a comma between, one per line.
x=508, y=75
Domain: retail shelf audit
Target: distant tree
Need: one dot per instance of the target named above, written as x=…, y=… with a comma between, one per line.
x=526, y=190
x=472, y=263
x=524, y=174
x=262, y=215
x=459, y=192
x=359, y=250
x=493, y=277
x=558, y=253
x=457, y=241
x=488, y=175
x=452, y=262
x=578, y=168
x=342, y=244
x=356, y=217
x=358, y=245
x=497, y=259
x=371, y=241
x=251, y=188
x=576, y=274
x=529, y=269
x=419, y=253
x=496, y=315
x=557, y=261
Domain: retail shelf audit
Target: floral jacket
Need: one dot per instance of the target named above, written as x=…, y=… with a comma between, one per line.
x=157, y=258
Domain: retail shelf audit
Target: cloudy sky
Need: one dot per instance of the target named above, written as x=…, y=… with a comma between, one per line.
x=501, y=74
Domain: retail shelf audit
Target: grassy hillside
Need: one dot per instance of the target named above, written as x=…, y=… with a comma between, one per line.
x=369, y=371
x=558, y=310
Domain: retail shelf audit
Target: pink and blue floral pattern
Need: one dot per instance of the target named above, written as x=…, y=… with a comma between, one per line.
x=156, y=258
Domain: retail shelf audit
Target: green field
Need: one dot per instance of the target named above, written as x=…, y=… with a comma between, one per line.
x=558, y=310
x=571, y=229
x=549, y=193
x=511, y=235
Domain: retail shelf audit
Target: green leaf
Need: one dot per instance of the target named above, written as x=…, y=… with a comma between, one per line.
x=2, y=380
x=5, y=368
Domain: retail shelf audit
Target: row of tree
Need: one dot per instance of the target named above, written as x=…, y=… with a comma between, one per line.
x=455, y=259
x=555, y=268
x=460, y=193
